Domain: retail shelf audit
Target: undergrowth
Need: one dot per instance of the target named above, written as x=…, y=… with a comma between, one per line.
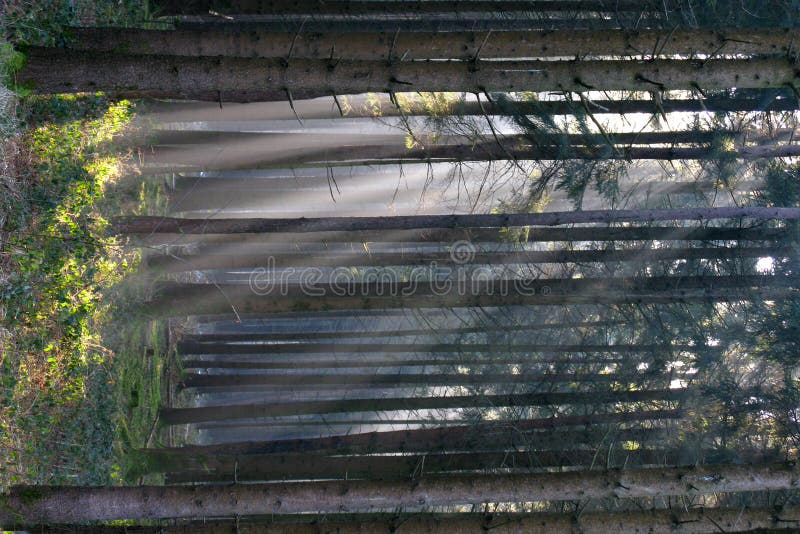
x=66, y=371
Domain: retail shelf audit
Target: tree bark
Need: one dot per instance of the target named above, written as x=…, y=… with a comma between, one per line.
x=386, y=46
x=173, y=299
x=361, y=7
x=211, y=243
x=148, y=225
x=694, y=521
x=64, y=504
x=465, y=437
x=179, y=263
x=432, y=331
x=190, y=347
x=231, y=382
x=427, y=23
x=177, y=416
x=244, y=79
x=170, y=111
x=306, y=467
x=165, y=161
x=194, y=137
x=391, y=362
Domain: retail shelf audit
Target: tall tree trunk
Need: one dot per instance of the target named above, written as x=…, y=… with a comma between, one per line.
x=231, y=382
x=179, y=263
x=148, y=225
x=426, y=23
x=309, y=467
x=171, y=111
x=431, y=331
x=176, y=416
x=190, y=347
x=174, y=299
x=211, y=243
x=242, y=79
x=387, y=46
x=190, y=159
x=392, y=362
x=694, y=521
x=489, y=442
x=263, y=140
x=361, y=7
x=188, y=193
x=464, y=437
x=60, y=504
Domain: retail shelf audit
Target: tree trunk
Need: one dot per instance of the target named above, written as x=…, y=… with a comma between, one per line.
x=243, y=79
x=431, y=331
x=261, y=296
x=231, y=382
x=392, y=362
x=305, y=467
x=177, y=416
x=465, y=437
x=491, y=441
x=262, y=140
x=190, y=347
x=428, y=23
x=156, y=224
x=362, y=7
x=187, y=193
x=386, y=46
x=192, y=160
x=170, y=111
x=179, y=263
x=164, y=308
x=60, y=504
x=211, y=243
x=694, y=521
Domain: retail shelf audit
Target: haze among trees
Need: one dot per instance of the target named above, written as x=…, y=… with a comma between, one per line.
x=381, y=266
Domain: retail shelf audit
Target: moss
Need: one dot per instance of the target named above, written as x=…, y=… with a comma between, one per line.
x=29, y=495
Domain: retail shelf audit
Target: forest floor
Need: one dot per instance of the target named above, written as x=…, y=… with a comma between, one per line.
x=81, y=368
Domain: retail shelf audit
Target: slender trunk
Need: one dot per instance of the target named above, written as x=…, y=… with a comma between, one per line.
x=464, y=438
x=362, y=7
x=60, y=504
x=417, y=23
x=391, y=362
x=489, y=443
x=190, y=347
x=178, y=263
x=148, y=225
x=166, y=111
x=233, y=382
x=177, y=416
x=263, y=295
x=385, y=46
x=263, y=140
x=243, y=79
x=198, y=192
x=305, y=467
x=231, y=159
x=211, y=243
x=164, y=308
x=431, y=331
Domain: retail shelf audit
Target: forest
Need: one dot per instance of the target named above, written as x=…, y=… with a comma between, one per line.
x=399, y=266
